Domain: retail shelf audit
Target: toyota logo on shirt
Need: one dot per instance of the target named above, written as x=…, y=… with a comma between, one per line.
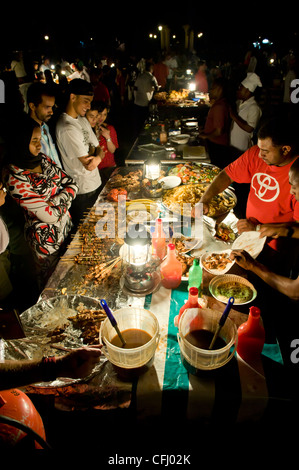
x=266, y=187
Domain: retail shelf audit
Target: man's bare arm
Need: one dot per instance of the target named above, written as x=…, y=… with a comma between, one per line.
x=288, y=287
x=90, y=162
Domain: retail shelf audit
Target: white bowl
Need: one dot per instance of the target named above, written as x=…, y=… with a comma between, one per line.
x=181, y=138
x=170, y=182
x=216, y=271
x=216, y=281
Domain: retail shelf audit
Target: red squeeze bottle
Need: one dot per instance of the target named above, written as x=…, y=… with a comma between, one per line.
x=192, y=302
x=159, y=240
x=251, y=336
x=171, y=269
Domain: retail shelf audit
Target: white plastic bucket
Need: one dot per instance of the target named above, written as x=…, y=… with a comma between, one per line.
x=208, y=319
x=135, y=361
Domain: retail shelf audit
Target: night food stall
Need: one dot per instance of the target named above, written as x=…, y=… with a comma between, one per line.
x=172, y=390
x=172, y=139
x=182, y=104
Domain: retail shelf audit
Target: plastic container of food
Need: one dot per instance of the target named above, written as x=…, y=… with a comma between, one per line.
x=132, y=362
x=199, y=357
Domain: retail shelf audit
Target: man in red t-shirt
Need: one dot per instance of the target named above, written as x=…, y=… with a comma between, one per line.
x=287, y=286
x=266, y=167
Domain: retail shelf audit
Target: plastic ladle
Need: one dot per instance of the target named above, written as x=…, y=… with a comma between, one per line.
x=112, y=320
x=222, y=320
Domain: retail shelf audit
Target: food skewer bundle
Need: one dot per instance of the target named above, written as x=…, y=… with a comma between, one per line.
x=103, y=271
x=100, y=255
x=88, y=321
x=92, y=248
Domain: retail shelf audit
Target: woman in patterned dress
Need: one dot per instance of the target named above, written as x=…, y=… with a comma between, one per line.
x=45, y=192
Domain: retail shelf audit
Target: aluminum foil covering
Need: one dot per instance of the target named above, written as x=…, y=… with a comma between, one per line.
x=102, y=389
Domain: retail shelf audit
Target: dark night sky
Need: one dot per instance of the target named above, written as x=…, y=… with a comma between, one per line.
x=24, y=26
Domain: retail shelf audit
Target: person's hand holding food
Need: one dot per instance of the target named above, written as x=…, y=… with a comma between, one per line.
x=243, y=259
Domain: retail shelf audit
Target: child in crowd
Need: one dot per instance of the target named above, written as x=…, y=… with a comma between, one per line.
x=106, y=133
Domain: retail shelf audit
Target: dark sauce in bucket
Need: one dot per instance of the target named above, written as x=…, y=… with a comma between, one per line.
x=202, y=339
x=133, y=337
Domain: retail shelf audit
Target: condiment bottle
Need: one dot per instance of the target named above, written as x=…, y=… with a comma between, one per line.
x=163, y=135
x=171, y=269
x=192, y=301
x=159, y=240
x=195, y=275
x=251, y=336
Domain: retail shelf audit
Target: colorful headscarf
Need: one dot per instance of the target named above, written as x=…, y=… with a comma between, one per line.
x=19, y=154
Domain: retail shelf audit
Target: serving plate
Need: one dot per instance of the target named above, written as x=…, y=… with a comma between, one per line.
x=226, y=266
x=182, y=199
x=195, y=172
x=180, y=139
x=231, y=278
x=170, y=181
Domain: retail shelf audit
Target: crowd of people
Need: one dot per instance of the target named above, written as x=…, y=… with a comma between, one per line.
x=52, y=172
x=62, y=111
x=59, y=149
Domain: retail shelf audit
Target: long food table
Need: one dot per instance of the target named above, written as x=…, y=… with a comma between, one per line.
x=167, y=392
x=168, y=398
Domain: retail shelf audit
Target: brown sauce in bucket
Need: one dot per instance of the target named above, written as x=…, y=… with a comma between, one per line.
x=202, y=339
x=133, y=337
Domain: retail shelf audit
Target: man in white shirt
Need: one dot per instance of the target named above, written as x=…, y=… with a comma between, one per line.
x=247, y=115
x=41, y=100
x=17, y=66
x=79, y=148
x=45, y=64
x=172, y=65
x=144, y=88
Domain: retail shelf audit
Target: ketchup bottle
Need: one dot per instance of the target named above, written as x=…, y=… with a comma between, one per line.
x=159, y=240
x=192, y=301
x=171, y=269
x=251, y=336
